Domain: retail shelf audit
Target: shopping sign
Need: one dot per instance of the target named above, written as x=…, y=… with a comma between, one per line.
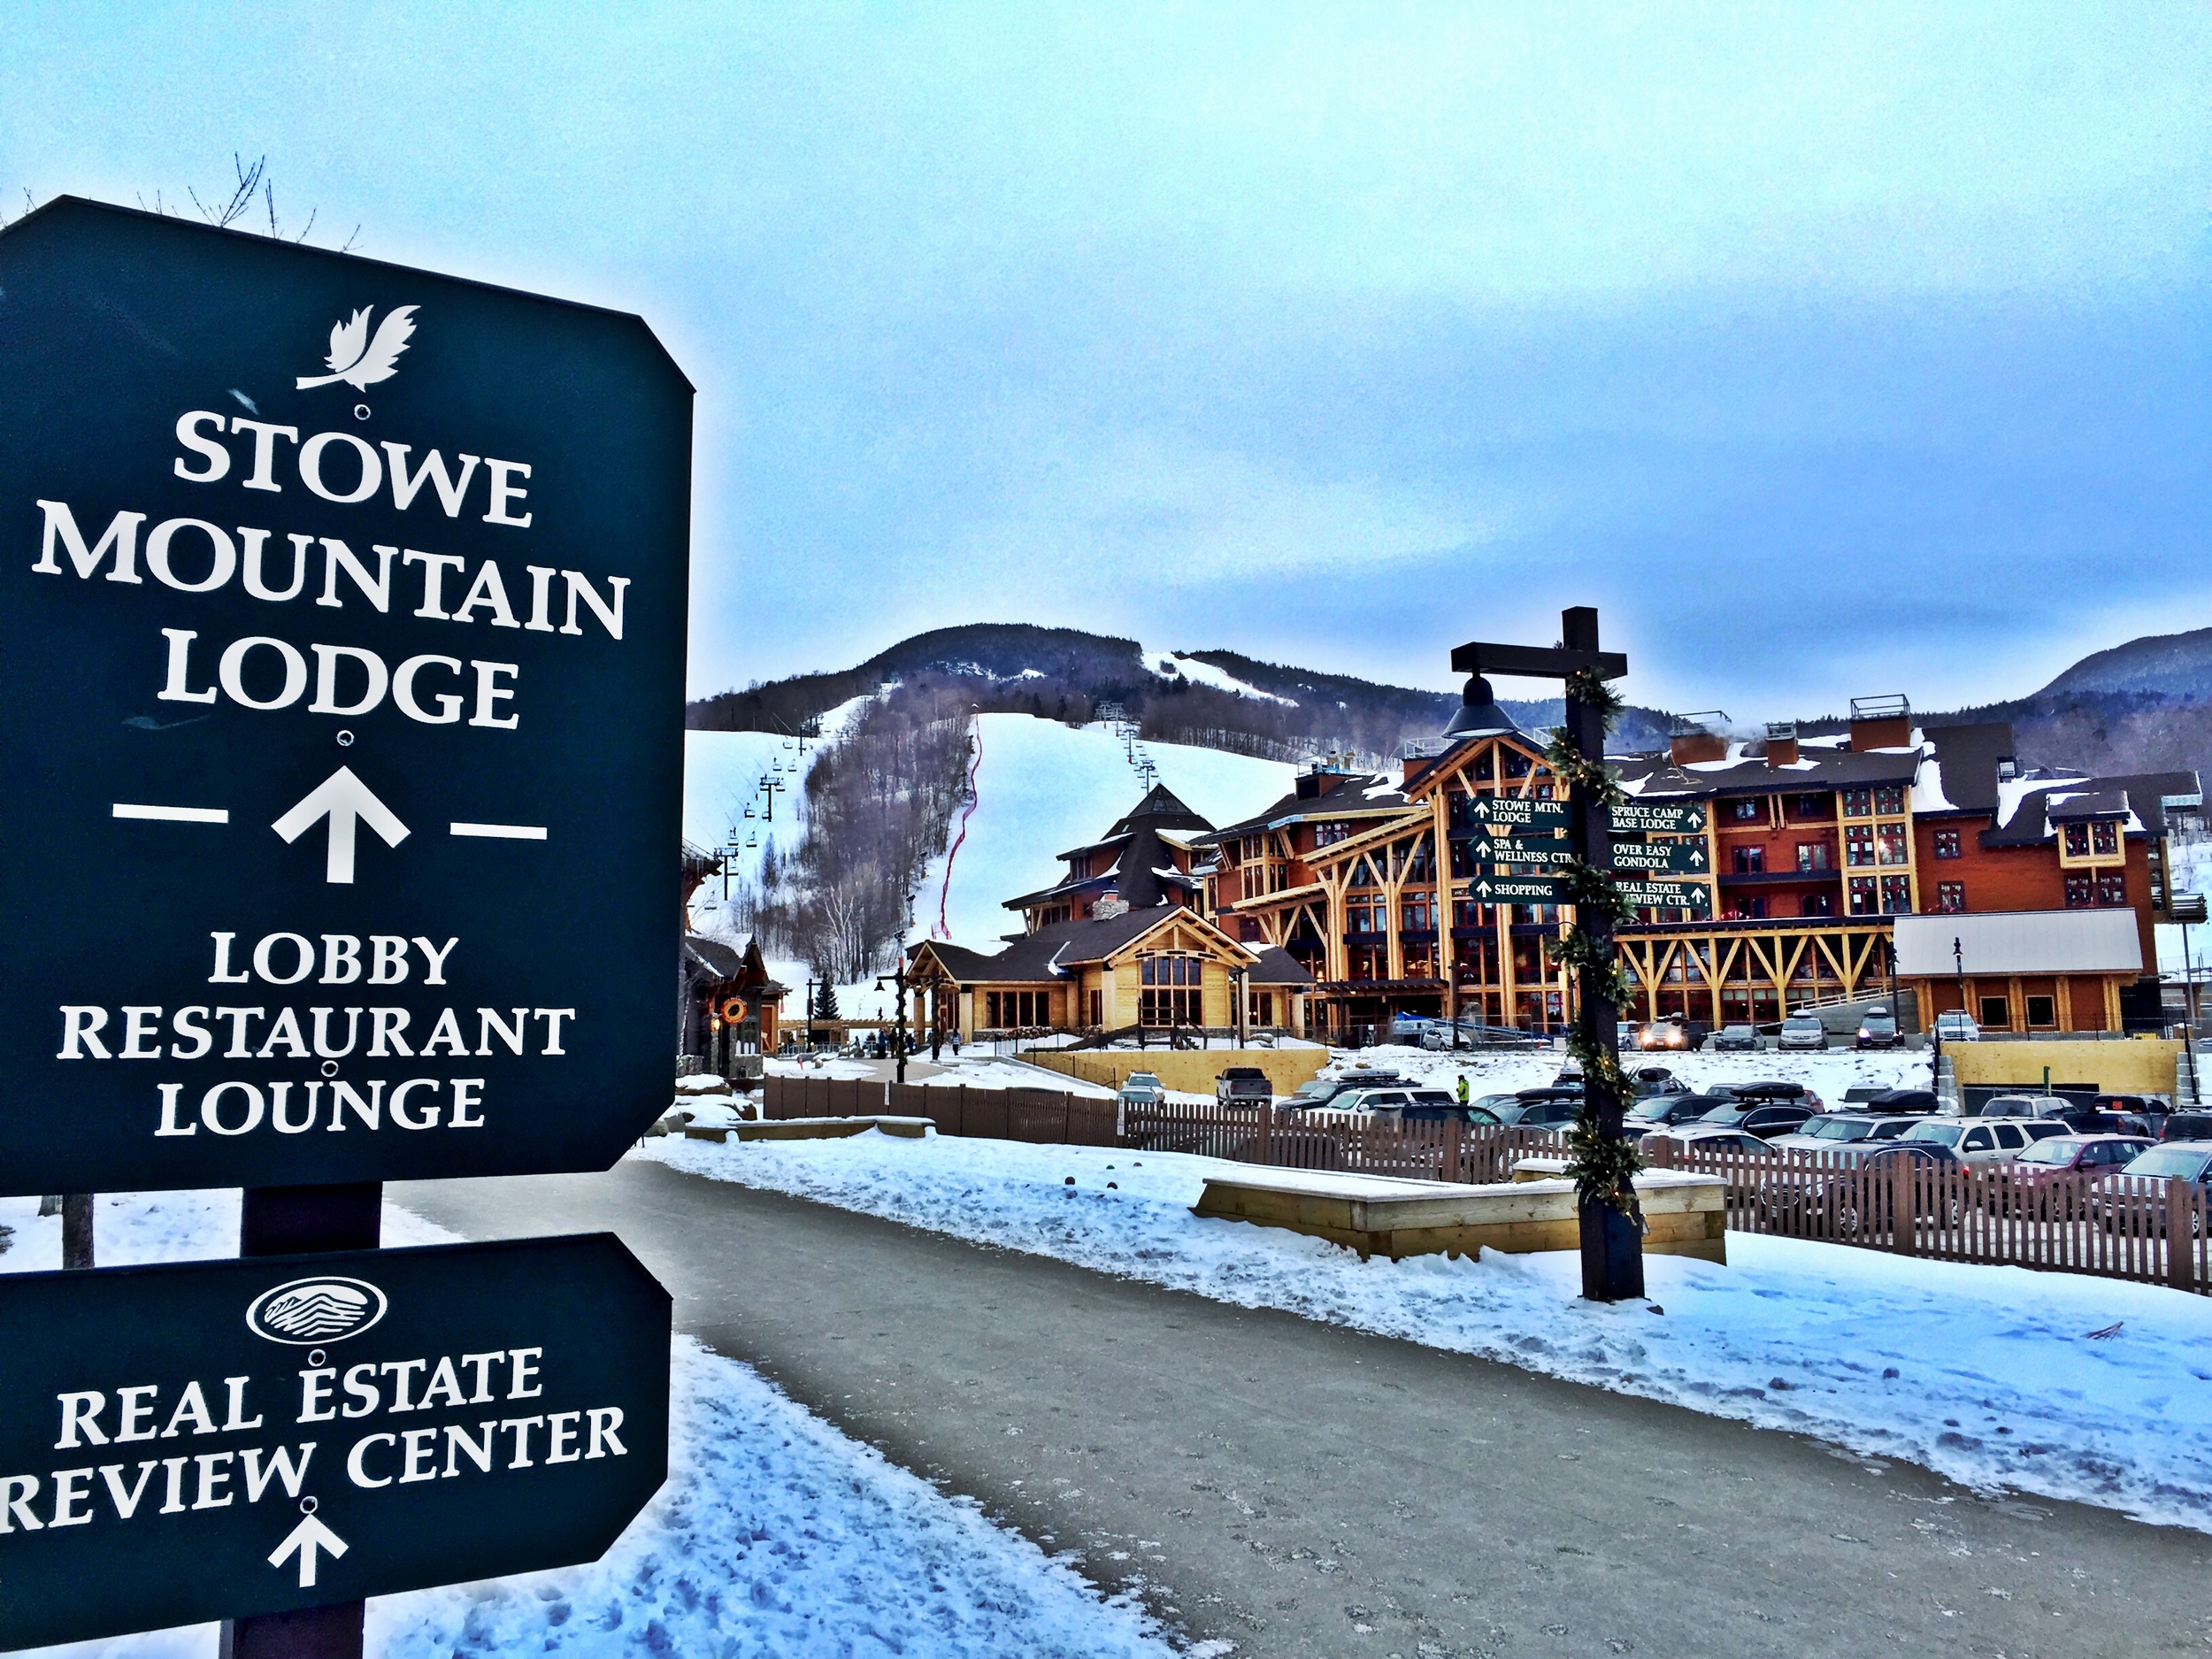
x=223, y=1439
x=341, y=636
x=1657, y=818
x=1496, y=812
x=1517, y=890
x=1685, y=858
x=1693, y=896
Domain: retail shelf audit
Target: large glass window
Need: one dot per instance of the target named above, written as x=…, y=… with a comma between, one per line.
x=1889, y=844
x=1896, y=896
x=1947, y=843
x=1170, y=992
x=1858, y=804
x=1951, y=896
x=1858, y=844
x=2081, y=892
x=2104, y=839
x=1751, y=861
x=1747, y=811
x=1813, y=855
x=1863, y=895
x=2112, y=888
x=2077, y=840
x=1889, y=799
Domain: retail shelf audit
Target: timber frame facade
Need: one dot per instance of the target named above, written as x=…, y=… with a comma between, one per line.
x=1810, y=849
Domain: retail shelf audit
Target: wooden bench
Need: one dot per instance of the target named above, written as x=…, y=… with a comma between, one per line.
x=1381, y=1215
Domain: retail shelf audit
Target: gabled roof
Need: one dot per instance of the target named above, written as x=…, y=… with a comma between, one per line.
x=1348, y=794
x=1142, y=839
x=1277, y=967
x=1816, y=769
x=1052, y=951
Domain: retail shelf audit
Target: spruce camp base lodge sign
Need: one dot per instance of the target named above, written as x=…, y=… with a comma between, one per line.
x=220, y=1439
x=341, y=635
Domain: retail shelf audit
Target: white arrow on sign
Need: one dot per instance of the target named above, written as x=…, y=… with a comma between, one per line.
x=345, y=801
x=304, y=1540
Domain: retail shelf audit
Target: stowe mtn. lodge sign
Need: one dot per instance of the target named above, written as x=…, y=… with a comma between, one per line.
x=343, y=613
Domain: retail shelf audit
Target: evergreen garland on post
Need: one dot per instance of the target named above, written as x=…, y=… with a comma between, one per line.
x=1603, y=1167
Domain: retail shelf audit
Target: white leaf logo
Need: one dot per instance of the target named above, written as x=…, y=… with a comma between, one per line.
x=357, y=359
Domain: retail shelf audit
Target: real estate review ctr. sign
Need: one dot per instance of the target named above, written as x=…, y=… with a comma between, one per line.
x=220, y=1438
x=341, y=641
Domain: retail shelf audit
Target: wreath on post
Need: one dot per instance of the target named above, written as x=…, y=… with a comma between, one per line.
x=1603, y=1166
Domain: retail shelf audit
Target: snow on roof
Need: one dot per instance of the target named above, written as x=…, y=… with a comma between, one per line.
x=1927, y=788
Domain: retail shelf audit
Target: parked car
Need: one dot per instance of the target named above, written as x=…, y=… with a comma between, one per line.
x=1801, y=1033
x=1878, y=1029
x=1735, y=1039
x=1142, y=1088
x=1857, y=1202
x=1718, y=1138
x=1761, y=1118
x=1648, y=1080
x=1243, y=1086
x=1438, y=1106
x=2189, y=1161
x=1672, y=1034
x=1322, y=1090
x=1855, y=1132
x=2049, y=1162
x=2187, y=1126
x=1956, y=1027
x=1542, y=1107
x=1983, y=1140
x=1668, y=1112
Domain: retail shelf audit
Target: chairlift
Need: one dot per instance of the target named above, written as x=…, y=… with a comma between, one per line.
x=748, y=811
x=751, y=842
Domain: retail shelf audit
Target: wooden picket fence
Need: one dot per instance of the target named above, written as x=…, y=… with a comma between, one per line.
x=2149, y=1231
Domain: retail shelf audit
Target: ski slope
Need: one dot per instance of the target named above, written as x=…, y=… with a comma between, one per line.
x=1042, y=787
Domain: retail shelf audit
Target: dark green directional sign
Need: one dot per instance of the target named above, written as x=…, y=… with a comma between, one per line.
x=1679, y=858
x=1517, y=890
x=1525, y=853
x=342, y=690
x=222, y=1439
x=1667, y=895
x=1657, y=818
x=1503, y=811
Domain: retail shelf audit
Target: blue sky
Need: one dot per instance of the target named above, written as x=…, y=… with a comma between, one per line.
x=1827, y=350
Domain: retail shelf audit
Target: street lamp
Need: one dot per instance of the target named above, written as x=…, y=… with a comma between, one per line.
x=897, y=978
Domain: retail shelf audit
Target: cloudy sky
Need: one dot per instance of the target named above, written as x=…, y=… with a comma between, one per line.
x=1829, y=351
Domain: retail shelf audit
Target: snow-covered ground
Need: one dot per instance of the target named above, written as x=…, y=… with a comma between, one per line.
x=775, y=1535
x=1042, y=787
x=1989, y=1375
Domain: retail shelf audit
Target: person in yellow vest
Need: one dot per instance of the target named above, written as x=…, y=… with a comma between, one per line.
x=1462, y=1090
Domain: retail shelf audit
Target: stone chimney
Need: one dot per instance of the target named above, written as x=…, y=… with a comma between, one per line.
x=1782, y=743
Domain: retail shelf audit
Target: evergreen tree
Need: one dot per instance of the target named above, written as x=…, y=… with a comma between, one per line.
x=826, y=1000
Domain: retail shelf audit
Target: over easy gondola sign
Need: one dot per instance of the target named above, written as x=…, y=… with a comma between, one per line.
x=342, y=643
x=231, y=1438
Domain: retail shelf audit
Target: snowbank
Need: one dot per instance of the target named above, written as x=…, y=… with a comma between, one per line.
x=775, y=1535
x=1987, y=1375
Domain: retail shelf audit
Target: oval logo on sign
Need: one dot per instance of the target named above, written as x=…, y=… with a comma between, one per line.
x=309, y=1310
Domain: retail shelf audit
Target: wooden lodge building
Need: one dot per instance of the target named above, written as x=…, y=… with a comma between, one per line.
x=1121, y=940
x=1812, y=847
